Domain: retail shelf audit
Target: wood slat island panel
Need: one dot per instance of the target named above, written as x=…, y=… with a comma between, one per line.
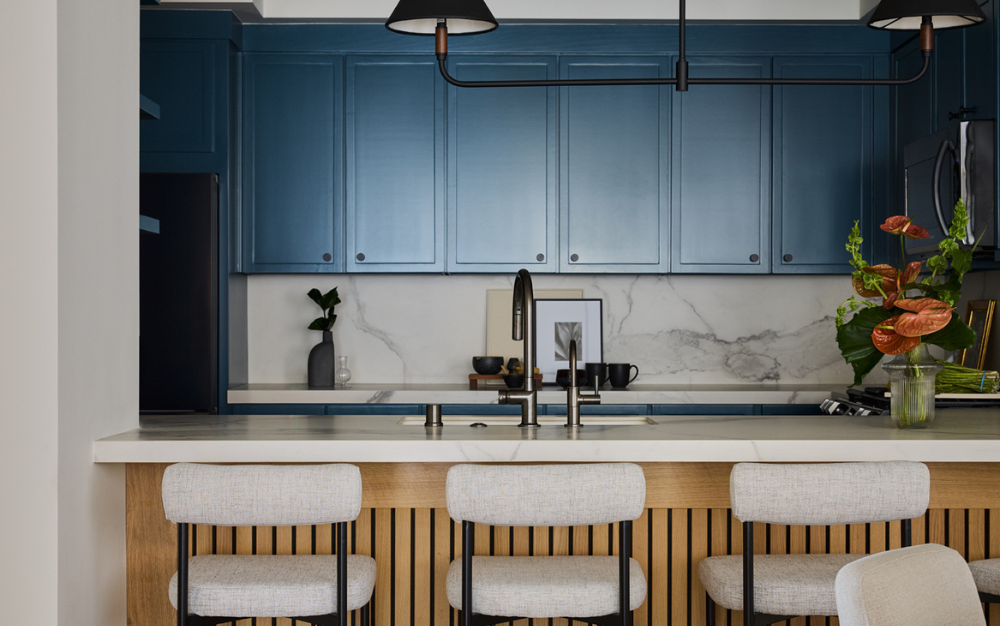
x=405, y=526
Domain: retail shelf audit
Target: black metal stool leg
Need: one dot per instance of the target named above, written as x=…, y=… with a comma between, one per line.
x=709, y=610
x=366, y=615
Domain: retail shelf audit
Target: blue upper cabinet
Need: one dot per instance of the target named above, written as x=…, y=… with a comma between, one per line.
x=395, y=164
x=180, y=76
x=615, y=168
x=822, y=164
x=980, y=86
x=502, y=160
x=721, y=171
x=292, y=164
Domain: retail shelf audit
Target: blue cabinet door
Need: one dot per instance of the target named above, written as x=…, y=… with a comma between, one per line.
x=948, y=65
x=822, y=164
x=980, y=66
x=502, y=159
x=179, y=76
x=395, y=164
x=615, y=168
x=721, y=172
x=912, y=109
x=292, y=181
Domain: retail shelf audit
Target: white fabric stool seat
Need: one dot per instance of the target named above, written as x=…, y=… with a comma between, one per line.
x=784, y=584
x=986, y=573
x=546, y=586
x=273, y=585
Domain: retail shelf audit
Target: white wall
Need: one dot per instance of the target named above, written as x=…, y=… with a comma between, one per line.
x=29, y=332
x=69, y=311
x=98, y=297
x=678, y=329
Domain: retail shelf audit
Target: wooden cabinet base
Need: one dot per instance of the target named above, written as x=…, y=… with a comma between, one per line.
x=404, y=524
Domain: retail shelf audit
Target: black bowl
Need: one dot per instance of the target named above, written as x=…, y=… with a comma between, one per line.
x=514, y=381
x=487, y=365
x=562, y=377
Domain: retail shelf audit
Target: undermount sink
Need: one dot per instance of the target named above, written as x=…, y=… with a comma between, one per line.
x=543, y=420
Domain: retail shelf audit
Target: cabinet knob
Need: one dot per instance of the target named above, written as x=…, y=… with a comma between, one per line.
x=327, y=257
x=754, y=258
x=361, y=256
x=574, y=257
x=787, y=258
x=540, y=257
x=961, y=111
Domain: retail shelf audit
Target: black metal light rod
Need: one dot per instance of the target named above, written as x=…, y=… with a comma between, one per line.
x=682, y=80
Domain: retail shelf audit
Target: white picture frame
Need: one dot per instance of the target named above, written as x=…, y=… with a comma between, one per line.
x=558, y=321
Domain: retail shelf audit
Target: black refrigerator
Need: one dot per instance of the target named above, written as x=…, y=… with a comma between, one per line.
x=179, y=295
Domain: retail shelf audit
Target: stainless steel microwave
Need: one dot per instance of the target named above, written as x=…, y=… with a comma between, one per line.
x=955, y=162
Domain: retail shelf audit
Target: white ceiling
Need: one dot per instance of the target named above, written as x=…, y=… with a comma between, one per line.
x=562, y=10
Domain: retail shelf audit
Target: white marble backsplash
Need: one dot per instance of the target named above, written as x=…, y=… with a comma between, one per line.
x=677, y=329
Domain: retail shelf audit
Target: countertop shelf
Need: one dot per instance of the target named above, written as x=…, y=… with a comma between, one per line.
x=459, y=393
x=958, y=435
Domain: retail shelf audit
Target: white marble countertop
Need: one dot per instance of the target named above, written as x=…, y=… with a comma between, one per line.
x=287, y=393
x=958, y=435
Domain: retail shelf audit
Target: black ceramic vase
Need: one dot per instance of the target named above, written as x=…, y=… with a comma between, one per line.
x=321, y=362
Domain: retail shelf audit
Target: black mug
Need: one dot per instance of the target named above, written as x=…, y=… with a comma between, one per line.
x=598, y=372
x=619, y=374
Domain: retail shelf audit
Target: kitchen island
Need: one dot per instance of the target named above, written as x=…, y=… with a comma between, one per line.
x=687, y=459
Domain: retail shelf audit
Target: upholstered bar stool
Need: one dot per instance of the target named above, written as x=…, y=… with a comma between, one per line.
x=928, y=585
x=318, y=589
x=601, y=590
x=986, y=573
x=785, y=586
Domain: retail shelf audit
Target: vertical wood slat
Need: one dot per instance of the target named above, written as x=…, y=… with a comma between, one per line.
x=973, y=532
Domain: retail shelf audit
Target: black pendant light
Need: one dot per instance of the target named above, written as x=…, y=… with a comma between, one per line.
x=468, y=17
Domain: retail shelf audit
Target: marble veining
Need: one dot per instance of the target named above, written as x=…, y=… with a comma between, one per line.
x=677, y=328
x=958, y=435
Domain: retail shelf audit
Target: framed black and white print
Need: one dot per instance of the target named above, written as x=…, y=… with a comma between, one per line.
x=557, y=322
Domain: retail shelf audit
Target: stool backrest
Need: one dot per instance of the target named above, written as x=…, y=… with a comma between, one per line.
x=926, y=585
x=829, y=493
x=261, y=495
x=546, y=495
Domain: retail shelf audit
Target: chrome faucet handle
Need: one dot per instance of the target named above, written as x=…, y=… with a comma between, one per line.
x=574, y=395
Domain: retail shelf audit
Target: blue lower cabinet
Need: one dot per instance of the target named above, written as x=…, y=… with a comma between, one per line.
x=601, y=409
x=789, y=409
x=823, y=155
x=292, y=185
x=278, y=409
x=375, y=409
x=502, y=167
x=483, y=409
x=614, y=167
x=721, y=208
x=395, y=164
x=703, y=409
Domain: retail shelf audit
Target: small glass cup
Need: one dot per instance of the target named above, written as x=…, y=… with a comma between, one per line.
x=342, y=374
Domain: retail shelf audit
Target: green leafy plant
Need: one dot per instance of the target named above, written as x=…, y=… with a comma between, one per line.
x=902, y=322
x=326, y=301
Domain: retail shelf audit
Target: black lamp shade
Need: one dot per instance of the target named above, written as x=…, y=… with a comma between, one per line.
x=420, y=17
x=908, y=14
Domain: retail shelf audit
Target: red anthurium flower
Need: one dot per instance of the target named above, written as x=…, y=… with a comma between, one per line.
x=888, y=341
x=910, y=273
x=902, y=225
x=923, y=316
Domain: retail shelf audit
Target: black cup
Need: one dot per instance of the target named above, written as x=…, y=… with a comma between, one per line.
x=596, y=371
x=619, y=374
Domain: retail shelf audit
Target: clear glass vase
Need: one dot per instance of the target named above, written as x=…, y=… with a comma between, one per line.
x=343, y=374
x=911, y=385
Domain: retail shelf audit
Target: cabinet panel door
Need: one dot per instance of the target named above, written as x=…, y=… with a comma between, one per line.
x=912, y=109
x=722, y=155
x=292, y=177
x=395, y=164
x=980, y=66
x=615, y=168
x=822, y=164
x=948, y=64
x=180, y=77
x=502, y=159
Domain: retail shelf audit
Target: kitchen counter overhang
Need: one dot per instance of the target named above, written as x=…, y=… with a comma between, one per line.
x=958, y=435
